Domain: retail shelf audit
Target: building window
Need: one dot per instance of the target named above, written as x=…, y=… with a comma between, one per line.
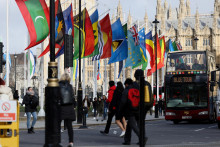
x=188, y=42
x=206, y=42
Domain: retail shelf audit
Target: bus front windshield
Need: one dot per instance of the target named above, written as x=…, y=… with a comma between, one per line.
x=187, y=95
x=186, y=61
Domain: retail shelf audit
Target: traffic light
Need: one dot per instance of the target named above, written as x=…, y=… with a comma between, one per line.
x=68, y=51
x=2, y=61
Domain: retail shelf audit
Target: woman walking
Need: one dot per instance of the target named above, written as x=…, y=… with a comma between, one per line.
x=68, y=104
x=116, y=100
x=99, y=108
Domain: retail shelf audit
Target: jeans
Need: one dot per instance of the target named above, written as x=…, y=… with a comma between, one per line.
x=132, y=124
x=34, y=114
x=109, y=121
x=105, y=113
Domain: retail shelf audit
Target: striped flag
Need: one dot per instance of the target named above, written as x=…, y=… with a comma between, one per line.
x=75, y=69
x=32, y=64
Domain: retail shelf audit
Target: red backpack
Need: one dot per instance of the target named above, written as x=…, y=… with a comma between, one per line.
x=134, y=98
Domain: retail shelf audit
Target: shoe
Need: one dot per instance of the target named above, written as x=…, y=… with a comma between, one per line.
x=126, y=143
x=32, y=130
x=61, y=130
x=70, y=145
x=29, y=131
x=122, y=134
x=103, y=132
x=93, y=117
x=145, y=141
x=97, y=120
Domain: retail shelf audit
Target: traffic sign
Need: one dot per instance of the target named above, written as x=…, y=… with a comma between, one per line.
x=8, y=111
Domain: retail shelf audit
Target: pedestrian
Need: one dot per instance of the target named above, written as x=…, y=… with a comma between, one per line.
x=15, y=95
x=5, y=91
x=31, y=102
x=148, y=98
x=112, y=110
x=116, y=101
x=100, y=107
x=94, y=104
x=86, y=104
x=105, y=107
x=68, y=105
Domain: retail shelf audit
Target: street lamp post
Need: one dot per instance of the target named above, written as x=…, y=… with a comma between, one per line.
x=15, y=56
x=196, y=40
x=155, y=47
x=79, y=98
x=52, y=92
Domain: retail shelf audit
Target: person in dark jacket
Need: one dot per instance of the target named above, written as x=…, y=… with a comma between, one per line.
x=15, y=95
x=100, y=107
x=94, y=104
x=31, y=102
x=86, y=104
x=160, y=105
x=116, y=101
x=112, y=109
x=105, y=107
x=68, y=105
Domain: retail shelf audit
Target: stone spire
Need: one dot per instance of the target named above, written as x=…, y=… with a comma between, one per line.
x=113, y=18
x=180, y=22
x=188, y=9
x=165, y=5
x=146, y=20
x=216, y=7
x=170, y=17
x=159, y=8
x=197, y=21
x=129, y=19
x=182, y=8
x=119, y=12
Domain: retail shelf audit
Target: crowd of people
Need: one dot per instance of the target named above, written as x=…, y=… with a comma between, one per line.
x=118, y=103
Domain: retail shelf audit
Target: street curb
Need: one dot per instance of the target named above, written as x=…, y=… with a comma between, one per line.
x=89, y=125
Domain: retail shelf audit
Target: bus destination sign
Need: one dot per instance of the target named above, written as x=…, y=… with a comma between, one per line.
x=182, y=79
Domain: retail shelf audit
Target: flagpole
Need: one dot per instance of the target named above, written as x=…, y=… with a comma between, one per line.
x=123, y=72
x=7, y=50
x=105, y=78
x=83, y=78
x=41, y=112
x=95, y=79
x=115, y=72
x=155, y=46
x=25, y=70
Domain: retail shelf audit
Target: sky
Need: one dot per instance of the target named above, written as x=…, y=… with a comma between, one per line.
x=18, y=33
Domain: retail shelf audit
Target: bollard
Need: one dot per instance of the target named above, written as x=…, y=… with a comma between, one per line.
x=85, y=111
x=142, y=116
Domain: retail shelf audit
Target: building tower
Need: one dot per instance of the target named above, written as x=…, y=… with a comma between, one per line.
x=188, y=9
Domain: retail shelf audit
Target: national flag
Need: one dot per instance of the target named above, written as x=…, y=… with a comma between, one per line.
x=87, y=31
x=134, y=54
x=32, y=64
x=105, y=38
x=59, y=31
x=159, y=64
x=37, y=19
x=94, y=20
x=163, y=49
x=144, y=60
x=119, y=43
x=75, y=68
x=134, y=32
x=120, y=68
x=171, y=49
x=179, y=47
x=9, y=60
x=98, y=71
x=175, y=46
x=68, y=19
x=150, y=51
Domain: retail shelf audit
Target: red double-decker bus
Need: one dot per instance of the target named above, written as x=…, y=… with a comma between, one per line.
x=188, y=90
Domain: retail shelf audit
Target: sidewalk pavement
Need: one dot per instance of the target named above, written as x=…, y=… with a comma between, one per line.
x=40, y=124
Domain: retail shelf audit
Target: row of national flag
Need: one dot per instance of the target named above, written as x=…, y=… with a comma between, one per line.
x=99, y=38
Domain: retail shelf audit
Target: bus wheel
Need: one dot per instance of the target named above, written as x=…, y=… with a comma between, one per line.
x=176, y=122
x=219, y=124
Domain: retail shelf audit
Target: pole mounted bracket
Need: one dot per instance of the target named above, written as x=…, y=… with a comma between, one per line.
x=52, y=75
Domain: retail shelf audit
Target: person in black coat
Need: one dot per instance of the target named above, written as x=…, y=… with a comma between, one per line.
x=68, y=105
x=31, y=102
x=116, y=101
x=95, y=104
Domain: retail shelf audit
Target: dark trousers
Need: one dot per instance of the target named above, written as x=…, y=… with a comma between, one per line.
x=94, y=112
x=109, y=121
x=132, y=125
x=69, y=126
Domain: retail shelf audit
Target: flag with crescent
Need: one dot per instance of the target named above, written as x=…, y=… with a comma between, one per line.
x=36, y=17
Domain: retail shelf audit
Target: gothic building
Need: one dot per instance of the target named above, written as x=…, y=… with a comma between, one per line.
x=177, y=24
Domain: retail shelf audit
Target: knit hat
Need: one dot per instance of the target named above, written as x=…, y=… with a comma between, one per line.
x=2, y=82
x=138, y=73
